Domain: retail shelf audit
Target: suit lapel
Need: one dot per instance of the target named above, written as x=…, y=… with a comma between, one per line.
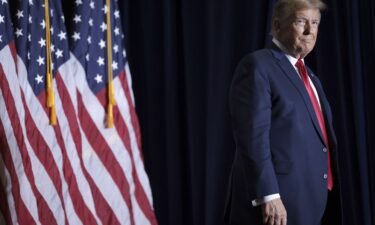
x=292, y=75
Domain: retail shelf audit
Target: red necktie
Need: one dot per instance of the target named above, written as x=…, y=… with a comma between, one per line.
x=302, y=71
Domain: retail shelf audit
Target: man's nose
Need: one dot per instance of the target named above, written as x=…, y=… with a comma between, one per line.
x=307, y=28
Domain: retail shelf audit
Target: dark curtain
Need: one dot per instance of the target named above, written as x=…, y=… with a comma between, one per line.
x=182, y=55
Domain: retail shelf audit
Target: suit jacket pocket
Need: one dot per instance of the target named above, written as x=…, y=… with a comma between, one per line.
x=282, y=167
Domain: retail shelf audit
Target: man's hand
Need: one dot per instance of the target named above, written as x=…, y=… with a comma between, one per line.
x=274, y=212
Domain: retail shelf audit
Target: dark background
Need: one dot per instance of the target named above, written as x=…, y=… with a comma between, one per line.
x=182, y=55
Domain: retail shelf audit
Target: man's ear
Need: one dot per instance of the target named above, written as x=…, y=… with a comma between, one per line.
x=276, y=25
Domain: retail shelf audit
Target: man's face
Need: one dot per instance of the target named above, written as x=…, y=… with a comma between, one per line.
x=298, y=33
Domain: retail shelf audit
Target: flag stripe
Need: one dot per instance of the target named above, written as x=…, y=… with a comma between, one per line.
x=104, y=152
x=125, y=82
x=100, y=178
x=121, y=127
x=45, y=214
x=72, y=157
x=16, y=170
x=67, y=88
x=42, y=139
x=133, y=126
x=138, y=190
x=83, y=211
x=79, y=206
x=133, y=150
x=22, y=213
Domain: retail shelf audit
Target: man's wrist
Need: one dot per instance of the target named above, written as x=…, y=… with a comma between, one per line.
x=267, y=198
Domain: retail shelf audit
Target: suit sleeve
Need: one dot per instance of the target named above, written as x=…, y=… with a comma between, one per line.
x=250, y=106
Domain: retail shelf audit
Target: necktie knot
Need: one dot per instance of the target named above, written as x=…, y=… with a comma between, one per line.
x=302, y=70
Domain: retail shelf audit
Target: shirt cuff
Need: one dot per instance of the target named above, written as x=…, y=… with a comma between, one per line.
x=265, y=199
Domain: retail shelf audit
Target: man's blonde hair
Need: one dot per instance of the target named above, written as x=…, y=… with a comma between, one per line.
x=283, y=9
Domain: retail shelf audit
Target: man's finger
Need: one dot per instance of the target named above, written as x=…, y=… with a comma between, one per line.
x=271, y=220
x=266, y=218
x=283, y=221
x=277, y=220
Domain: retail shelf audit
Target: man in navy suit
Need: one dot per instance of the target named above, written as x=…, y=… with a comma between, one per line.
x=285, y=169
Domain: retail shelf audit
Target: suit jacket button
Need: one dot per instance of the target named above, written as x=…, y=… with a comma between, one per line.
x=324, y=149
x=325, y=176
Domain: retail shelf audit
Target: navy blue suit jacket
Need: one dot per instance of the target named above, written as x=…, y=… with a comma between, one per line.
x=279, y=144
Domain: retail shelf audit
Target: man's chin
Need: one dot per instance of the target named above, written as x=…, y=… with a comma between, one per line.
x=302, y=52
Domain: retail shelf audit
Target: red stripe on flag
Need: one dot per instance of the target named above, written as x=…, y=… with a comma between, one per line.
x=23, y=215
x=105, y=154
x=78, y=203
x=100, y=204
x=140, y=194
x=13, y=50
x=43, y=153
x=123, y=131
x=133, y=114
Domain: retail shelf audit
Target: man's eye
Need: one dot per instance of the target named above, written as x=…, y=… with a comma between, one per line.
x=300, y=21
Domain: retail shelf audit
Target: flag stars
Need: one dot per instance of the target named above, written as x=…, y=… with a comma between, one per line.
x=18, y=32
x=43, y=24
x=78, y=2
x=103, y=26
x=98, y=78
x=76, y=36
x=1, y=38
x=30, y=19
x=117, y=14
x=39, y=79
x=19, y=14
x=52, y=48
x=115, y=48
x=91, y=22
x=92, y=5
x=51, y=29
x=28, y=56
x=62, y=35
x=59, y=53
x=1, y=19
x=100, y=61
x=77, y=18
x=87, y=57
x=40, y=60
x=117, y=31
x=63, y=18
x=4, y=2
x=114, y=65
x=31, y=2
x=123, y=53
x=89, y=39
x=42, y=42
x=101, y=44
x=29, y=37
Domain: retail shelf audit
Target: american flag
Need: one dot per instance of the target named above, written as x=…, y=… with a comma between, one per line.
x=78, y=171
